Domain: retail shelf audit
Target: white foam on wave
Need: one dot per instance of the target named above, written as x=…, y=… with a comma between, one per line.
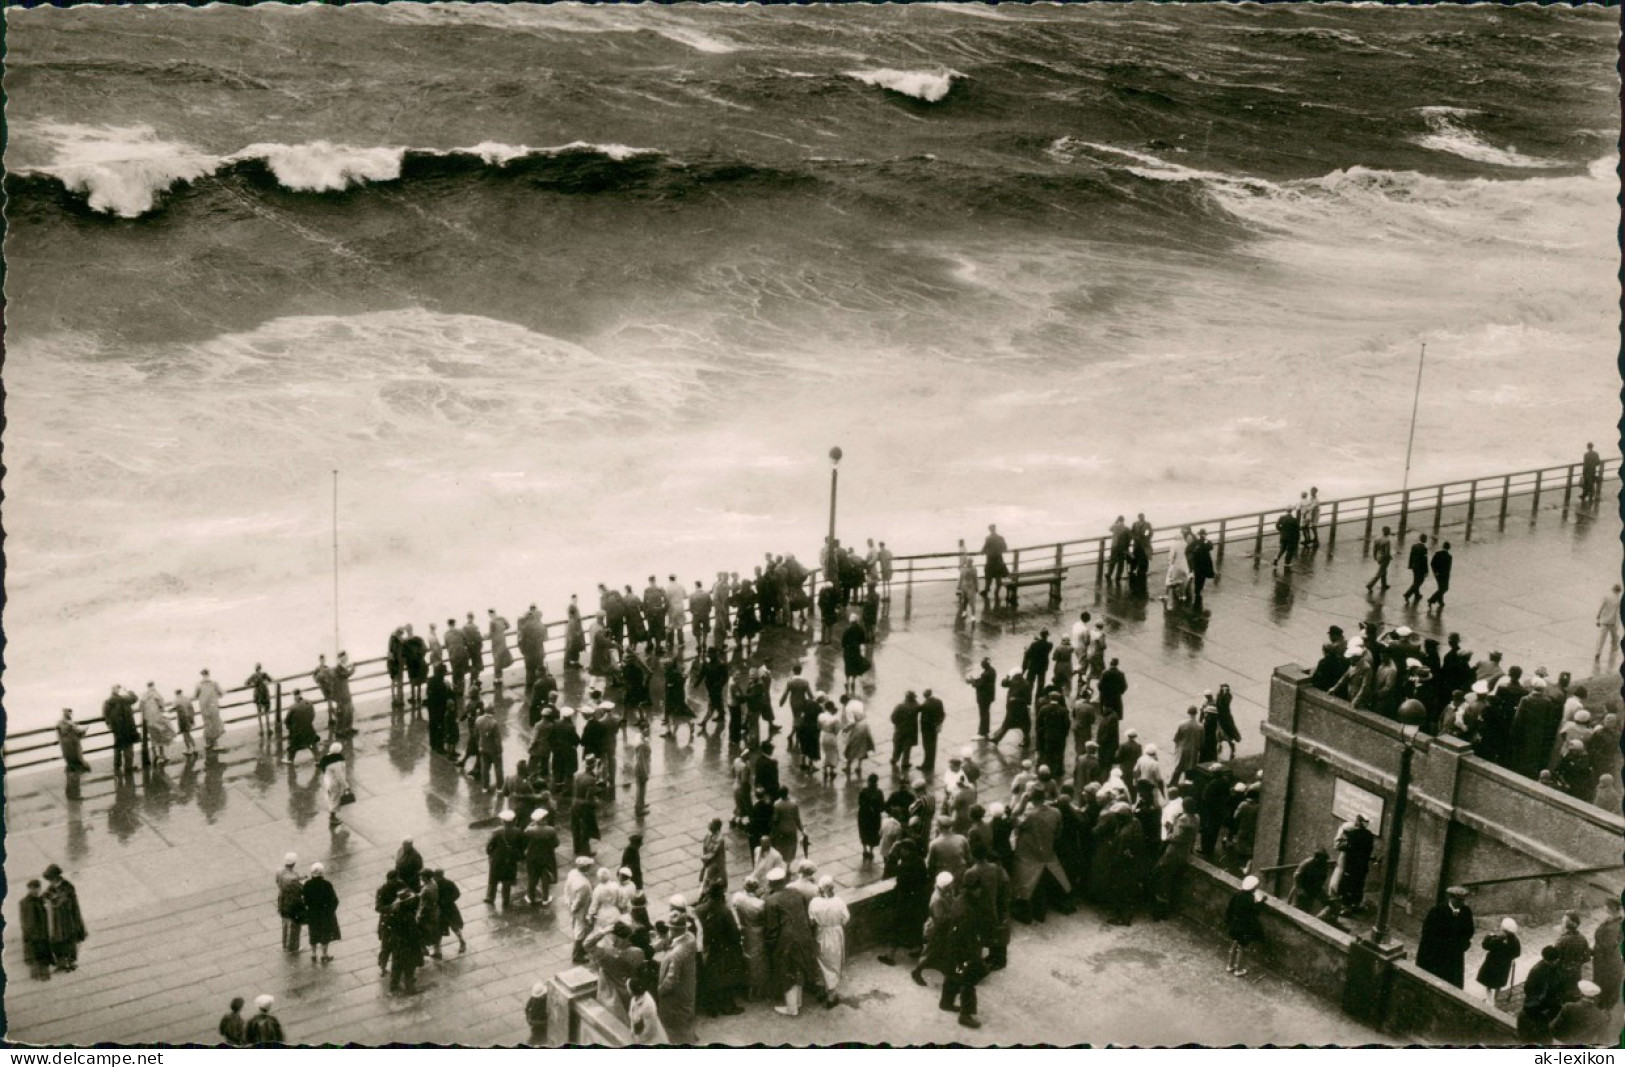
x=324, y=167
x=124, y=170
x=930, y=86
x=1446, y=134
x=1146, y=165
x=121, y=169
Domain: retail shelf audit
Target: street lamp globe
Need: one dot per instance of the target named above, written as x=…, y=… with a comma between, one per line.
x=835, y=456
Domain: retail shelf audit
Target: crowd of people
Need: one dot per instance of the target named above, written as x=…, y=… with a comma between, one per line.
x=1535, y=725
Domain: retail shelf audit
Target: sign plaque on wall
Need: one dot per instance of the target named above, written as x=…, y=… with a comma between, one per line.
x=1349, y=800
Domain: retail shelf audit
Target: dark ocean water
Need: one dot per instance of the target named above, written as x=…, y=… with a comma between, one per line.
x=562, y=288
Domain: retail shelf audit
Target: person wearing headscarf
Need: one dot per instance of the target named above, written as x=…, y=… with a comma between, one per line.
x=335, y=780
x=747, y=908
x=787, y=934
x=321, y=902
x=724, y=972
x=829, y=916
x=860, y=740
x=1242, y=921
x=1501, y=952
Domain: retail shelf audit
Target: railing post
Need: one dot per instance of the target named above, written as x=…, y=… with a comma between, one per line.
x=908, y=591
x=1506, y=491
x=1223, y=523
x=1438, y=508
x=1370, y=516
x=1534, y=508
x=1472, y=506
x=278, y=713
x=1015, y=570
x=1404, y=513
x=1568, y=488
x=1258, y=539
x=1331, y=534
x=1100, y=561
x=146, y=752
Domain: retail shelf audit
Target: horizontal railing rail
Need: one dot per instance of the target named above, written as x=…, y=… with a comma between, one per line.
x=39, y=746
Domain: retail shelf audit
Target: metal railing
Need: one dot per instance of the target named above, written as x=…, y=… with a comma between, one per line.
x=39, y=747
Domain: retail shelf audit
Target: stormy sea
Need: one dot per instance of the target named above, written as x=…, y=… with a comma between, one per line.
x=575, y=294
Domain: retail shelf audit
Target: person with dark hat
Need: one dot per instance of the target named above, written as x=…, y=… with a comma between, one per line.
x=1542, y=998
x=1447, y=934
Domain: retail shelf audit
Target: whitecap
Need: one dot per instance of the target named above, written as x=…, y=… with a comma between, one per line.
x=122, y=170
x=324, y=167
x=1447, y=135
x=927, y=85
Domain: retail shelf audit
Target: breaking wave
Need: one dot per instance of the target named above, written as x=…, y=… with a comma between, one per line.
x=1447, y=134
x=927, y=85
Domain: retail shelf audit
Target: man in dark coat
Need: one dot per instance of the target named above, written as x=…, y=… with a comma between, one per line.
x=1535, y=724
x=36, y=932
x=541, y=858
x=118, y=712
x=905, y=730
x=1202, y=569
x=910, y=897
x=1442, y=562
x=987, y=898
x=505, y=849
x=871, y=806
x=1111, y=687
x=787, y=937
x=1447, y=934
x=65, y=922
x=301, y=724
x=1035, y=661
x=457, y=654
x=986, y=685
x=1052, y=729
x=724, y=976
x=765, y=771
x=1017, y=709
x=1417, y=564
x=994, y=570
x=1355, y=845
x=932, y=716
x=532, y=647
x=404, y=942
x=1542, y=998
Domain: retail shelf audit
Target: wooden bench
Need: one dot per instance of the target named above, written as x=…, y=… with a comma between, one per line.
x=1050, y=576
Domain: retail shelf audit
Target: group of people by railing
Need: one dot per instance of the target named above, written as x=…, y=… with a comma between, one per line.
x=1532, y=724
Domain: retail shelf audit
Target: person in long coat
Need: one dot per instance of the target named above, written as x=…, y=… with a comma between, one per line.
x=1037, y=826
x=65, y=922
x=207, y=696
x=787, y=935
x=871, y=806
x=321, y=913
x=860, y=740
x=748, y=909
x=451, y=916
x=505, y=851
x=910, y=897
x=1187, y=746
x=300, y=721
x=829, y=916
x=1242, y=921
x=1607, y=966
x=69, y=735
x=1501, y=952
x=644, y=1013
x=405, y=942
x=335, y=780
x=713, y=857
x=1447, y=934
x=35, y=923
x=679, y=983
x=724, y=972
x=1355, y=846
x=786, y=829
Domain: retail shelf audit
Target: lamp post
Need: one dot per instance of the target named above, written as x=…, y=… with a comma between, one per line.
x=1368, y=981
x=829, y=542
x=1396, y=829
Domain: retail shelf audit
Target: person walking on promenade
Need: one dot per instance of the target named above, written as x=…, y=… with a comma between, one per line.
x=260, y=683
x=1501, y=952
x=1177, y=580
x=786, y=831
x=1111, y=687
x=860, y=740
x=335, y=781
x=70, y=736
x=1242, y=921
x=1417, y=564
x=321, y=914
x=985, y=683
x=676, y=613
x=994, y=569
x=35, y=925
x=1051, y=727
x=584, y=790
x=1309, y=518
x=871, y=807
x=1139, y=558
x=290, y=902
x=541, y=858
x=932, y=717
x=207, y=696
x=1441, y=563
x=1017, y=709
x=724, y=971
x=788, y=939
x=1035, y=660
x=1608, y=625
x=905, y=731
x=233, y=1027
x=1382, y=554
x=118, y=713
x=1286, y=529
x=1187, y=746
x=440, y=706
x=1590, y=475
x=435, y=651
x=300, y=722
x=64, y=921
x=532, y=641
x=1447, y=934
x=475, y=640
x=642, y=753
x=415, y=654
x=322, y=675
x=504, y=851
x=264, y=1028
x=451, y=916
x=488, y=736
x=1202, y=569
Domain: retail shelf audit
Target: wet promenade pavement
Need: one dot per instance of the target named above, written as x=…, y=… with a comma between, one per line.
x=175, y=869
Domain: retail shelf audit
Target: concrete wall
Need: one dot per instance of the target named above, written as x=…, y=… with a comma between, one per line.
x=1466, y=819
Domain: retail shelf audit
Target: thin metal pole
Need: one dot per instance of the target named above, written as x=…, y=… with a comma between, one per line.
x=1415, y=403
x=834, y=476
x=337, y=643
x=1396, y=829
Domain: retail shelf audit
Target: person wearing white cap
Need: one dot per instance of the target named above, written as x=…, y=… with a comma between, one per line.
x=290, y=890
x=505, y=850
x=536, y=1006
x=264, y=1028
x=946, y=911
x=1447, y=934
x=321, y=902
x=787, y=937
x=578, y=886
x=1581, y=1022
x=1147, y=769
x=679, y=981
x=1501, y=952
x=541, y=857
x=1241, y=919
x=829, y=916
x=335, y=781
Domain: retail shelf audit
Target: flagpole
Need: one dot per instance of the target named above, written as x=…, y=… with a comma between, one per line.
x=337, y=644
x=1415, y=403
